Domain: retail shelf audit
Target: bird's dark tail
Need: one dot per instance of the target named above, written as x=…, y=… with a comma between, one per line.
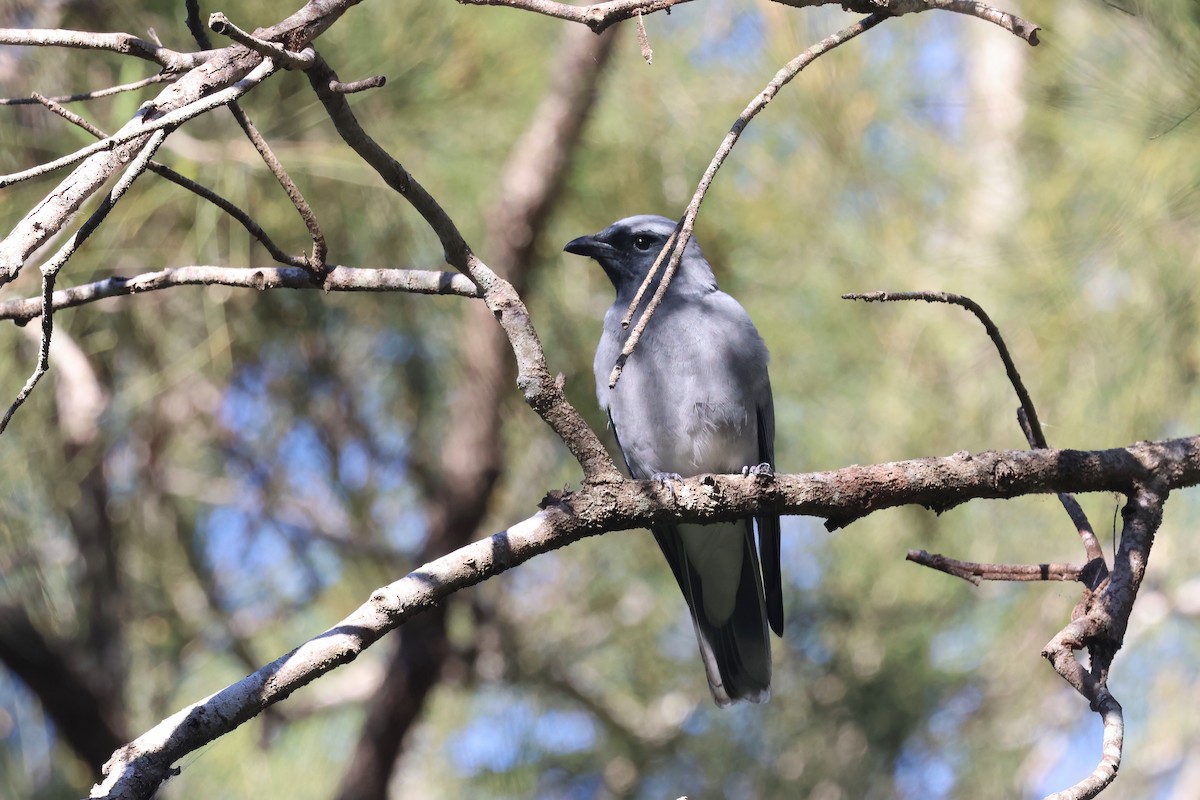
x=730, y=620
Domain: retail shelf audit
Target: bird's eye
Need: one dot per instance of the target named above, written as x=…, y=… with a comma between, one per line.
x=643, y=241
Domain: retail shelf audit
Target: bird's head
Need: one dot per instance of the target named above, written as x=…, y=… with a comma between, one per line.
x=628, y=248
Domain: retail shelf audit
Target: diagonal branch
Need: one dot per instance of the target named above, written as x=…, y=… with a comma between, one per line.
x=219, y=23
x=541, y=391
x=50, y=215
x=315, y=263
x=222, y=77
x=993, y=332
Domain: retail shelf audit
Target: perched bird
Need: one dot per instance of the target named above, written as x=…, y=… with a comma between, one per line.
x=694, y=398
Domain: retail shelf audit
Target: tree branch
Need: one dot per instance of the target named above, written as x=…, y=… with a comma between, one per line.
x=219, y=23
x=975, y=572
x=137, y=769
x=158, y=77
x=163, y=171
x=1026, y=414
x=340, y=279
x=123, y=43
x=1099, y=623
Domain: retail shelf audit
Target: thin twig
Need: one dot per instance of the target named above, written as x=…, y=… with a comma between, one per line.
x=667, y=250
x=51, y=268
x=1026, y=413
x=219, y=23
x=316, y=262
x=684, y=231
x=340, y=279
x=1015, y=25
x=158, y=77
x=975, y=572
x=1038, y=438
x=597, y=17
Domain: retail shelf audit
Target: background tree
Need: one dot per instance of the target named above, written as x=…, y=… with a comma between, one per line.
x=211, y=475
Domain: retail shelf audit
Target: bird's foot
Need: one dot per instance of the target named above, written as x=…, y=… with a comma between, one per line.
x=667, y=480
x=763, y=470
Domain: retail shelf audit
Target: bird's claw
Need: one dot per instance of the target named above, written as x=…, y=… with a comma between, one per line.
x=763, y=470
x=667, y=480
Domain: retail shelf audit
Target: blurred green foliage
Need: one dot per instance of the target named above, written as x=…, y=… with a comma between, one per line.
x=262, y=451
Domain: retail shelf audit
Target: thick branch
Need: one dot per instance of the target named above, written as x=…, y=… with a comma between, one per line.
x=137, y=769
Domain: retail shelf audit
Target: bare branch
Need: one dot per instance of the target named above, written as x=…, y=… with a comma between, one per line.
x=145, y=127
x=123, y=43
x=158, y=77
x=137, y=769
x=684, y=232
x=1021, y=28
x=974, y=572
x=340, y=279
x=219, y=23
x=226, y=75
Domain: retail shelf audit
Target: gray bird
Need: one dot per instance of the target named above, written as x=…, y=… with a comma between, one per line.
x=694, y=398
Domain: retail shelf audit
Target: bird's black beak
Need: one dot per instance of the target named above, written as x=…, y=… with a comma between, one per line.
x=590, y=246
